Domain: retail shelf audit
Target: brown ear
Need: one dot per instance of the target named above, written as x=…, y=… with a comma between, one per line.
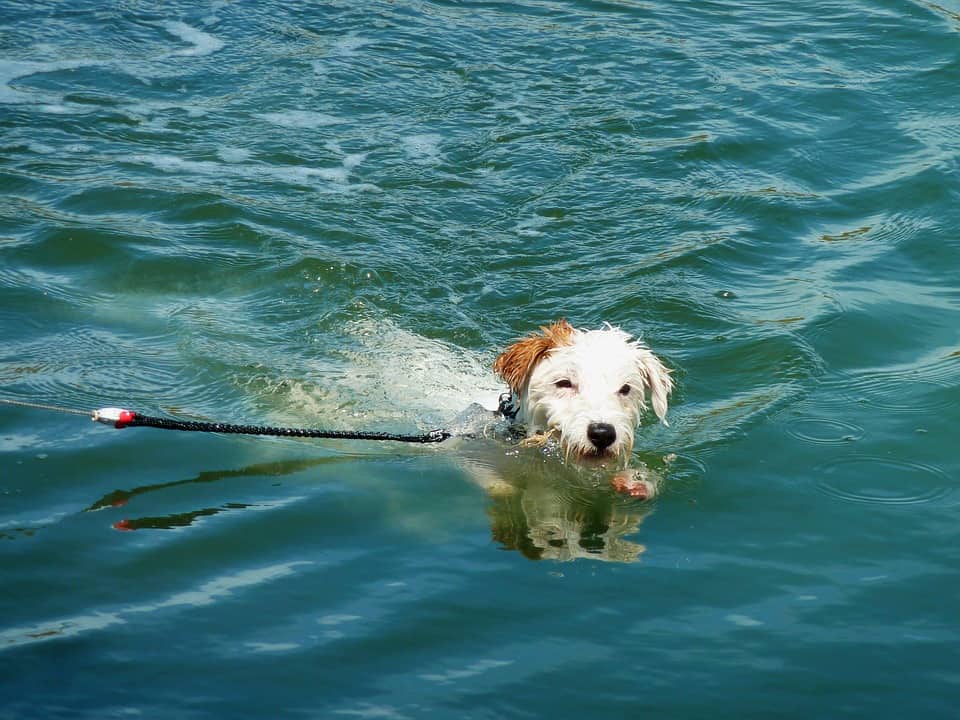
x=516, y=363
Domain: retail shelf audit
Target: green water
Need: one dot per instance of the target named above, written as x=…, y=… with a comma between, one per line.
x=336, y=214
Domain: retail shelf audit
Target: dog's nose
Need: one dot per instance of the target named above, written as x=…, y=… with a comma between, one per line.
x=601, y=435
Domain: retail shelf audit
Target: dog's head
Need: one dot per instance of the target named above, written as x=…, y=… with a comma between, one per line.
x=589, y=385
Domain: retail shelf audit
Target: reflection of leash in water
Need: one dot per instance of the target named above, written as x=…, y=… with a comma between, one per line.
x=120, y=498
x=121, y=418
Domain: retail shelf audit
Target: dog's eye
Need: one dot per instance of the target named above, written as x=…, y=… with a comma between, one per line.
x=625, y=390
x=564, y=383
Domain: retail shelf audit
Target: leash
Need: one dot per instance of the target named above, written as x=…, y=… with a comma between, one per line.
x=121, y=418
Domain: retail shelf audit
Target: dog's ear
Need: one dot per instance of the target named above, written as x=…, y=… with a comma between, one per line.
x=516, y=363
x=658, y=380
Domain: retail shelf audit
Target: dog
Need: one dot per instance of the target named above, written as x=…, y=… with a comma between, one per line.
x=586, y=388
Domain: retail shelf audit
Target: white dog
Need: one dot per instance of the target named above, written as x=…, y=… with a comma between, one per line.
x=588, y=387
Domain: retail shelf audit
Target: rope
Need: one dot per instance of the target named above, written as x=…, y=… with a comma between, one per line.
x=120, y=418
x=38, y=406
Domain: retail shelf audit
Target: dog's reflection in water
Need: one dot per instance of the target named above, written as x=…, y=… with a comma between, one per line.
x=547, y=510
x=536, y=504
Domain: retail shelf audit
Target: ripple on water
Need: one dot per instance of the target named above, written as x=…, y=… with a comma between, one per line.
x=883, y=481
x=824, y=431
x=88, y=366
x=683, y=473
x=895, y=392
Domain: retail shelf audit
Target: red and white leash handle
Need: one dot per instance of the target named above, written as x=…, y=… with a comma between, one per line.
x=118, y=417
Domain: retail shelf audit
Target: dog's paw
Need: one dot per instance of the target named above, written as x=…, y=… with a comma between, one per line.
x=632, y=483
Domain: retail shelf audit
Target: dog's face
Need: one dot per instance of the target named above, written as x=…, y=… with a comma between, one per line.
x=590, y=386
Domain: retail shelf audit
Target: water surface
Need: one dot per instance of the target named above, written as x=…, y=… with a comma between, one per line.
x=336, y=214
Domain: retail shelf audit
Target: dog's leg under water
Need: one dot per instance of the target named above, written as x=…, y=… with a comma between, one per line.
x=639, y=484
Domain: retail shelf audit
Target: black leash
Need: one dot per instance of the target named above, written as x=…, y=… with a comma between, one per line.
x=121, y=418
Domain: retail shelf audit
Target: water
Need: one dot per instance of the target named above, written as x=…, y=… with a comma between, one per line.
x=337, y=214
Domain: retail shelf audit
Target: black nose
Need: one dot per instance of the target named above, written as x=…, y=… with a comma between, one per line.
x=601, y=435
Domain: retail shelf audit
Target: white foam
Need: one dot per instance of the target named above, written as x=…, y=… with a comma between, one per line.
x=338, y=619
x=523, y=118
x=203, y=42
x=369, y=711
x=233, y=154
x=743, y=620
x=261, y=647
x=438, y=375
x=27, y=522
x=423, y=148
x=11, y=70
x=225, y=585
x=511, y=106
x=171, y=163
x=477, y=668
x=394, y=375
x=299, y=119
x=530, y=227
x=349, y=44
x=207, y=594
x=351, y=160
x=294, y=174
x=61, y=109
x=212, y=18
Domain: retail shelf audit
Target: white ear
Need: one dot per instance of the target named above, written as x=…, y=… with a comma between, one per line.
x=657, y=377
